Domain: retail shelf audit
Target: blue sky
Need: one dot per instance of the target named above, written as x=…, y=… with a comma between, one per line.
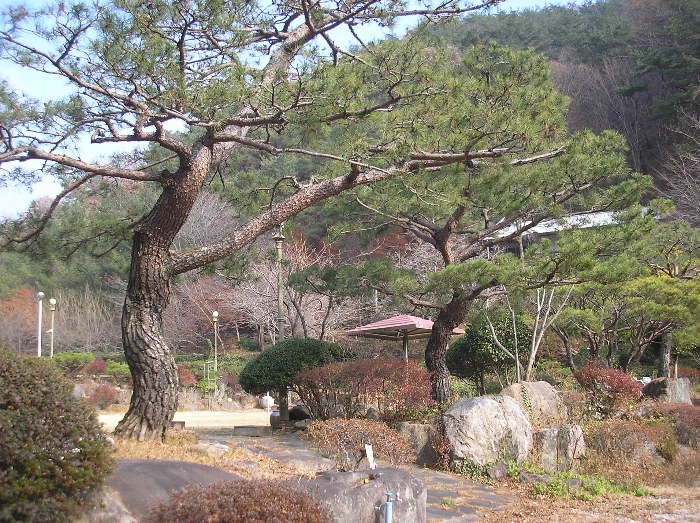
x=15, y=199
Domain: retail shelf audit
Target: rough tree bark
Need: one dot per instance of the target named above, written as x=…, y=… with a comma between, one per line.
x=664, y=370
x=451, y=316
x=153, y=370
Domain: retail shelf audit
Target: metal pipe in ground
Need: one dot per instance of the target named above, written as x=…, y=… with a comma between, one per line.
x=388, y=509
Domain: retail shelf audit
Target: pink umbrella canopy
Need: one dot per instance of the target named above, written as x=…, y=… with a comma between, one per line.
x=402, y=327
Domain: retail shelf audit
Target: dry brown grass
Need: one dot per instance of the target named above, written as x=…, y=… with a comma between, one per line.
x=179, y=446
x=674, y=494
x=670, y=505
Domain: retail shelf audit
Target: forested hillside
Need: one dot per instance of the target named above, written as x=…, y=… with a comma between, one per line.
x=628, y=65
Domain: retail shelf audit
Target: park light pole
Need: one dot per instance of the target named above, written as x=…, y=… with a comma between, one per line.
x=52, y=306
x=215, y=316
x=283, y=393
x=39, y=297
x=279, y=238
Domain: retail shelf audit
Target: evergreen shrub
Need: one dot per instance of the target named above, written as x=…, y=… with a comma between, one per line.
x=345, y=439
x=53, y=453
x=72, y=362
x=120, y=371
x=249, y=345
x=277, y=366
x=475, y=355
x=241, y=501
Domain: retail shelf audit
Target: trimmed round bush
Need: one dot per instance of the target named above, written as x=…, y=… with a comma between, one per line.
x=241, y=501
x=277, y=366
x=72, y=362
x=52, y=453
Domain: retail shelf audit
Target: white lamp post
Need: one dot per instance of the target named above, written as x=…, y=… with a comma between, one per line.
x=39, y=297
x=215, y=314
x=52, y=306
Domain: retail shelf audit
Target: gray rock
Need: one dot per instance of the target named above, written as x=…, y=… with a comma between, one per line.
x=487, y=430
x=359, y=497
x=301, y=425
x=266, y=402
x=499, y=471
x=540, y=401
x=544, y=449
x=137, y=485
x=526, y=477
x=421, y=438
x=558, y=449
x=252, y=431
x=213, y=450
x=108, y=508
x=669, y=390
x=574, y=483
x=79, y=391
x=299, y=413
x=372, y=413
x=570, y=445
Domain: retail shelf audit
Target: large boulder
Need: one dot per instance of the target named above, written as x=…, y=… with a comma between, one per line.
x=136, y=485
x=487, y=430
x=421, y=437
x=559, y=449
x=540, y=401
x=670, y=390
x=299, y=413
x=359, y=497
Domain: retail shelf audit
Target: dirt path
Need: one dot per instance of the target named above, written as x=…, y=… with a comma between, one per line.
x=203, y=419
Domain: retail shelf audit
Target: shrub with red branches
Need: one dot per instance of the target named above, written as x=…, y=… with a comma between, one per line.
x=396, y=389
x=103, y=396
x=693, y=375
x=345, y=439
x=187, y=378
x=609, y=389
x=95, y=367
x=241, y=501
x=684, y=418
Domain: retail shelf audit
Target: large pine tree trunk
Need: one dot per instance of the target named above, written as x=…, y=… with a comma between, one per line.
x=153, y=370
x=664, y=370
x=448, y=318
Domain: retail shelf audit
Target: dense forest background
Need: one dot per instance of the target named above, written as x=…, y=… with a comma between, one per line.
x=632, y=66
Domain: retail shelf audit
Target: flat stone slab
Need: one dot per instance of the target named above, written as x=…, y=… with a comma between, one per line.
x=439, y=513
x=144, y=483
x=441, y=494
x=461, y=519
x=252, y=431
